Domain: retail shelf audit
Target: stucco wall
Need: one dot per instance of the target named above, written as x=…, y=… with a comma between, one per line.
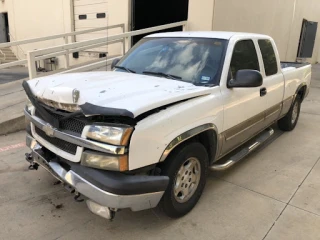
x=3, y=6
x=200, y=15
x=310, y=10
x=41, y=18
x=34, y=19
x=38, y=18
x=280, y=19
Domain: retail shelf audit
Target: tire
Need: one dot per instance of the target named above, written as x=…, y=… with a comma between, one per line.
x=289, y=121
x=188, y=166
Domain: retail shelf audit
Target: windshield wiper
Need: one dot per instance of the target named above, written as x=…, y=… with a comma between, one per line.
x=161, y=74
x=124, y=68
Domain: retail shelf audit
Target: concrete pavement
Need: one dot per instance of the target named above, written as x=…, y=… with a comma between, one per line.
x=272, y=194
x=13, y=74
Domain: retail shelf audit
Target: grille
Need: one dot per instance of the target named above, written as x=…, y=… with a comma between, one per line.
x=59, y=143
x=73, y=125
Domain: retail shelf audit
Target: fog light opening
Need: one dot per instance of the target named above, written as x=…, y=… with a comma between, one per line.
x=101, y=211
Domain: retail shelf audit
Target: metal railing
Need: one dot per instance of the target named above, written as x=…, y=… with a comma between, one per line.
x=19, y=48
x=36, y=55
x=64, y=36
x=3, y=55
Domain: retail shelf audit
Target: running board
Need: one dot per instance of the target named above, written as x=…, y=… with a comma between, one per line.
x=261, y=138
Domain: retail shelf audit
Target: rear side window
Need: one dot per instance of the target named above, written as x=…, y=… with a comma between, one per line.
x=268, y=56
x=244, y=57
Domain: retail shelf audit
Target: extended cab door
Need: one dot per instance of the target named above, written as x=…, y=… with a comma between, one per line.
x=244, y=108
x=273, y=80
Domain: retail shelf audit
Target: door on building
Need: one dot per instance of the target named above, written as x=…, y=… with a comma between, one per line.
x=307, y=39
x=146, y=13
x=89, y=14
x=4, y=28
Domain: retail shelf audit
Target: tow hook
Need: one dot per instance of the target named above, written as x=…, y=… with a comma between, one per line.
x=33, y=165
x=78, y=198
x=112, y=214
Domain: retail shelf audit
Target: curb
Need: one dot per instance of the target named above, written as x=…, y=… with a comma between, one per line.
x=12, y=125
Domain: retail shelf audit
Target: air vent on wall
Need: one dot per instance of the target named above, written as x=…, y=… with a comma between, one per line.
x=82, y=17
x=101, y=15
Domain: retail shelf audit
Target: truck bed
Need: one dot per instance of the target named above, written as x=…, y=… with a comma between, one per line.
x=293, y=64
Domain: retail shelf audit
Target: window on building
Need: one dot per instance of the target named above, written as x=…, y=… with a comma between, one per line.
x=268, y=56
x=244, y=57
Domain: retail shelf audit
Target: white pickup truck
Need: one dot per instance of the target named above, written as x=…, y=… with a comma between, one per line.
x=175, y=106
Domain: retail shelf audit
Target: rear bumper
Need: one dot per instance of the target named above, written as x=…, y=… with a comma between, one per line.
x=134, y=192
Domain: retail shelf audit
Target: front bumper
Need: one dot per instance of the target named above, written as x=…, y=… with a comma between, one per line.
x=134, y=192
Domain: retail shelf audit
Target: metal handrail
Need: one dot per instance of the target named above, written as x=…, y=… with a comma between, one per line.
x=40, y=54
x=20, y=48
x=65, y=36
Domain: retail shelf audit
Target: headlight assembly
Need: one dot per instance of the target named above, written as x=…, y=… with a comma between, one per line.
x=116, y=135
x=105, y=161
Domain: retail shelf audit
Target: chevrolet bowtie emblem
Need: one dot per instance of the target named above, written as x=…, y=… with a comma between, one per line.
x=48, y=129
x=75, y=95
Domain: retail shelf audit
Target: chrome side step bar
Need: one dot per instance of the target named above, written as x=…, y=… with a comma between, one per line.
x=264, y=136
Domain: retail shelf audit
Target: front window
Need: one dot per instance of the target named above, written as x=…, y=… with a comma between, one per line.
x=194, y=60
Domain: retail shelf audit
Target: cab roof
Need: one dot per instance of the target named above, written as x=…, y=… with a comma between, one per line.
x=208, y=34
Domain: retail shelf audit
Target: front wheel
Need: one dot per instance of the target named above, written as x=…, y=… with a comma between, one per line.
x=289, y=121
x=187, y=169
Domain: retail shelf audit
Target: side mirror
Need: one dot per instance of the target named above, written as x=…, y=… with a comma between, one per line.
x=246, y=79
x=115, y=62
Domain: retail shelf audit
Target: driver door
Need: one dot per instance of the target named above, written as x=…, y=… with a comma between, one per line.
x=244, y=107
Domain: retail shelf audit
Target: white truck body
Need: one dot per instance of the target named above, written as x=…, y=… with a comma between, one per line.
x=234, y=114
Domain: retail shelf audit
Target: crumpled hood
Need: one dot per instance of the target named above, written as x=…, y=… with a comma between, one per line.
x=114, y=90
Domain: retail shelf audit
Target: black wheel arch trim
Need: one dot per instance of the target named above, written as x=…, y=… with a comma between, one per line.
x=302, y=85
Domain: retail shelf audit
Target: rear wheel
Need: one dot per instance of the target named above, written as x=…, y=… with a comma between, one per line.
x=289, y=121
x=187, y=169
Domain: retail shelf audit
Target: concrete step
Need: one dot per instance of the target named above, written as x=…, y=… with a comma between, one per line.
x=10, y=54
x=12, y=58
x=6, y=50
x=7, y=61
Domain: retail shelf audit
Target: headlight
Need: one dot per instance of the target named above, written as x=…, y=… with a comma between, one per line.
x=105, y=161
x=116, y=135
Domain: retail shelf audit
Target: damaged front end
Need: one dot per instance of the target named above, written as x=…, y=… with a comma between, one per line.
x=87, y=150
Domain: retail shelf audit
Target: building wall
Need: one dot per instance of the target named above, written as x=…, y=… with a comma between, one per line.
x=200, y=15
x=280, y=19
x=39, y=18
x=310, y=10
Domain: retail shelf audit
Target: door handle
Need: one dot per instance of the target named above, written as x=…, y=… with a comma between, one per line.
x=263, y=92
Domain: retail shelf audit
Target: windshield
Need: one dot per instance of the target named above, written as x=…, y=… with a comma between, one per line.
x=194, y=60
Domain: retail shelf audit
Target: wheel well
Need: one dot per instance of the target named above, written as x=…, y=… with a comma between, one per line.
x=208, y=139
x=302, y=92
